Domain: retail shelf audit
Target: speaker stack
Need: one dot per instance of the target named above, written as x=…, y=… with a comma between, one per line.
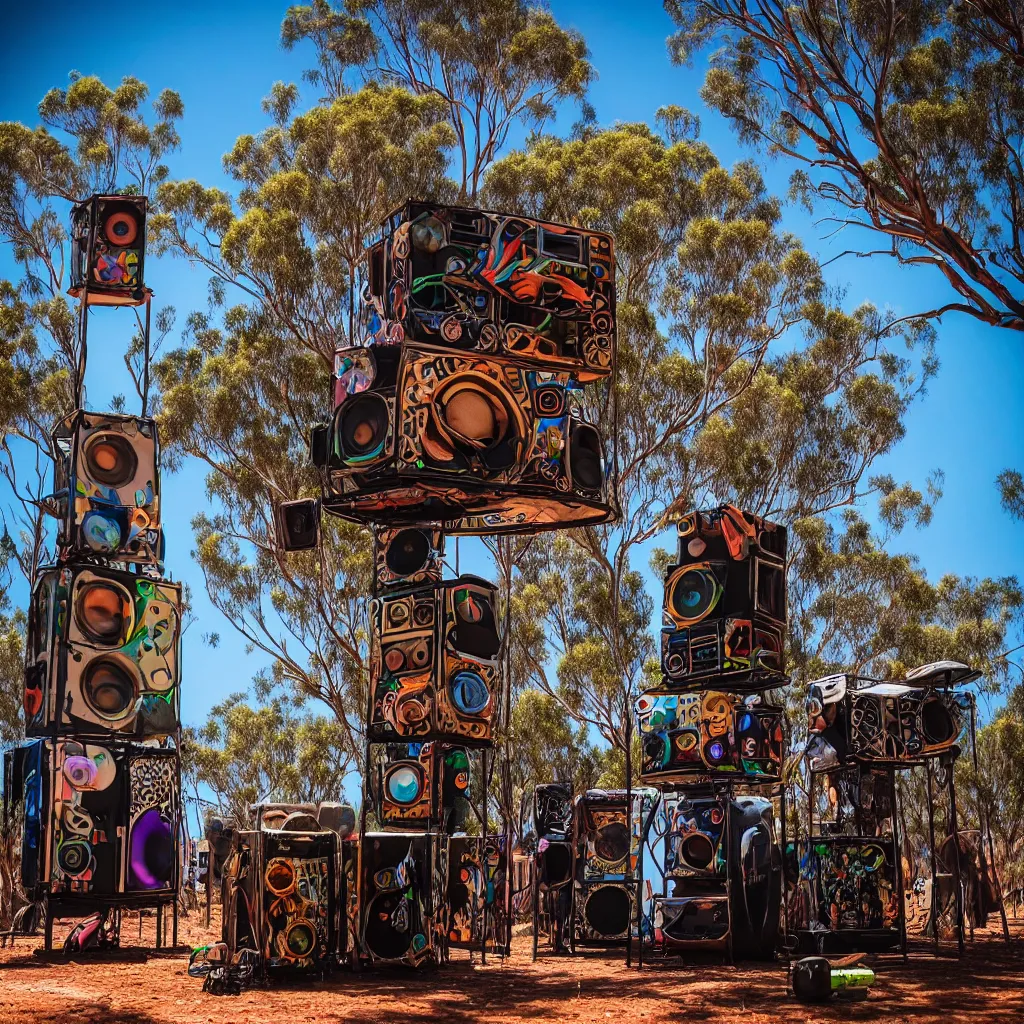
x=712, y=743
x=554, y=864
x=99, y=779
x=847, y=878
x=606, y=853
x=458, y=410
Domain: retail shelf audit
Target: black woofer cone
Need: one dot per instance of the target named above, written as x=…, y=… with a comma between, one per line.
x=383, y=939
x=108, y=688
x=362, y=426
x=408, y=552
x=936, y=721
x=608, y=910
x=556, y=864
x=110, y=459
x=698, y=851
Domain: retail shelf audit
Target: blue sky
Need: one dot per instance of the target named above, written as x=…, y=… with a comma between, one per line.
x=224, y=57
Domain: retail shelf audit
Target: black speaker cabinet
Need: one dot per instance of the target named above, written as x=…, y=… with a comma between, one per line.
x=494, y=283
x=481, y=444
x=717, y=845
x=554, y=864
x=477, y=893
x=433, y=663
x=407, y=556
x=298, y=524
x=708, y=735
x=103, y=654
x=101, y=821
x=420, y=786
x=108, y=249
x=107, y=487
x=552, y=810
x=605, y=912
x=882, y=723
x=725, y=602
x=397, y=904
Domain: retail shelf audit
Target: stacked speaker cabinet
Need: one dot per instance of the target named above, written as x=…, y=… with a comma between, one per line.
x=847, y=885
x=606, y=853
x=459, y=408
x=711, y=740
x=462, y=403
x=100, y=778
x=553, y=863
x=285, y=888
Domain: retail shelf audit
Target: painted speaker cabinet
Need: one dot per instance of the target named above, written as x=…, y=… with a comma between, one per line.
x=103, y=656
x=108, y=250
x=724, y=612
x=101, y=821
x=107, y=488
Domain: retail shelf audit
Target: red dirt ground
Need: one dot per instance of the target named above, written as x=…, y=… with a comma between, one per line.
x=136, y=987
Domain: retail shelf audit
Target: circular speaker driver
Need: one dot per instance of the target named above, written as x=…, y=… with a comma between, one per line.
x=698, y=851
x=612, y=842
x=608, y=911
x=110, y=459
x=121, y=229
x=362, y=427
x=103, y=612
x=300, y=938
x=74, y=857
x=382, y=938
x=404, y=784
x=108, y=689
x=408, y=552
x=936, y=721
x=693, y=592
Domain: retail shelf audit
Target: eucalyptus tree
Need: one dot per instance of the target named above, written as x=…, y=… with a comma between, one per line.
x=904, y=121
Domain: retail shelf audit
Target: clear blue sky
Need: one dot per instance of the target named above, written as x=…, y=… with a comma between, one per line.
x=223, y=58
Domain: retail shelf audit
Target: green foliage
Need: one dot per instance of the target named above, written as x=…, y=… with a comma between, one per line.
x=1011, y=492
x=907, y=119
x=248, y=755
x=995, y=791
x=762, y=389
x=104, y=141
x=490, y=64
x=242, y=389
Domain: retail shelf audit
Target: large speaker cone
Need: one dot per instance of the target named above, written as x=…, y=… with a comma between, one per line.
x=608, y=910
x=74, y=856
x=151, y=852
x=108, y=689
x=362, y=427
x=121, y=228
x=697, y=851
x=692, y=593
x=103, y=613
x=586, y=465
x=469, y=693
x=404, y=783
x=936, y=722
x=408, y=552
x=611, y=842
x=110, y=459
x=300, y=938
x=473, y=416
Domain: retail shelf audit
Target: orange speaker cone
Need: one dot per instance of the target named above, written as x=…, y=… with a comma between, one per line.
x=121, y=229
